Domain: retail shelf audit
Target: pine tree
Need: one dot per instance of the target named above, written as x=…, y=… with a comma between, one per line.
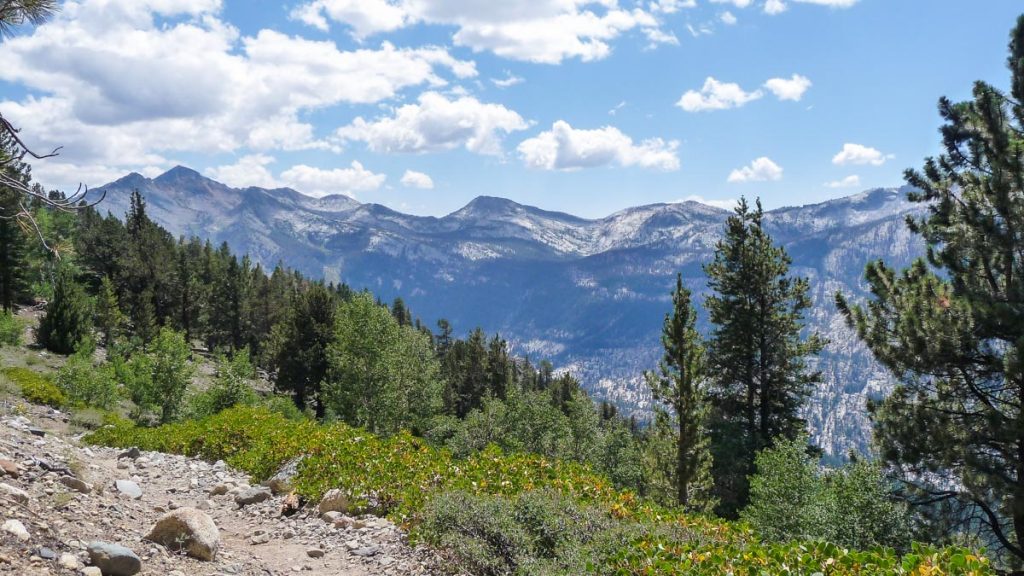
x=13, y=260
x=757, y=356
x=109, y=318
x=951, y=326
x=678, y=387
x=305, y=338
x=68, y=319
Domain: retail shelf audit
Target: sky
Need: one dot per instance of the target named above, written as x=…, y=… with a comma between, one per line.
x=586, y=107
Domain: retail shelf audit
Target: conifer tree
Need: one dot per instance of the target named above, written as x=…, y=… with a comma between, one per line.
x=678, y=387
x=951, y=326
x=13, y=261
x=109, y=318
x=68, y=318
x=305, y=337
x=757, y=355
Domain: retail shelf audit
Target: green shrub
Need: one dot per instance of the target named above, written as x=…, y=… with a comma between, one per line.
x=282, y=405
x=232, y=386
x=35, y=387
x=85, y=384
x=10, y=329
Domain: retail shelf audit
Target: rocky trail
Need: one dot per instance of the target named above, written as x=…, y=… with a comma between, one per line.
x=67, y=508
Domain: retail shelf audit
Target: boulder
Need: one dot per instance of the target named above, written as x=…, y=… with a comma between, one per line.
x=252, y=496
x=114, y=559
x=15, y=493
x=281, y=482
x=75, y=484
x=334, y=501
x=128, y=488
x=187, y=529
x=9, y=468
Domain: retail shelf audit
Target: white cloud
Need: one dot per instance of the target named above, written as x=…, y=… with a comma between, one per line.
x=715, y=95
x=413, y=179
x=773, y=7
x=858, y=154
x=672, y=6
x=727, y=18
x=788, y=89
x=509, y=80
x=727, y=204
x=848, y=182
x=318, y=183
x=545, y=31
x=250, y=170
x=566, y=148
x=760, y=170
x=436, y=123
x=118, y=86
x=736, y=3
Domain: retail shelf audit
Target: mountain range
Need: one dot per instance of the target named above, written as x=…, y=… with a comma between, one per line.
x=588, y=294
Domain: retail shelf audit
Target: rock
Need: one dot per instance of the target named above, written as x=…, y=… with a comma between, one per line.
x=366, y=551
x=17, y=529
x=9, y=468
x=287, y=534
x=75, y=484
x=281, y=481
x=219, y=489
x=252, y=496
x=128, y=488
x=291, y=504
x=37, y=432
x=17, y=494
x=260, y=537
x=46, y=554
x=91, y=571
x=315, y=553
x=131, y=453
x=114, y=559
x=334, y=501
x=187, y=529
x=331, y=517
x=69, y=561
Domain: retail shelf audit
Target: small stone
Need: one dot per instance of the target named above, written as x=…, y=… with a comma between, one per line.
x=367, y=551
x=91, y=571
x=17, y=529
x=114, y=559
x=9, y=468
x=288, y=534
x=69, y=561
x=46, y=554
x=331, y=517
x=219, y=489
x=352, y=544
x=18, y=494
x=252, y=496
x=315, y=553
x=260, y=537
x=187, y=529
x=128, y=488
x=122, y=465
x=131, y=453
x=75, y=484
x=334, y=501
x=37, y=432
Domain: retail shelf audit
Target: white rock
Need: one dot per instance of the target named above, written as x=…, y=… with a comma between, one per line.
x=187, y=529
x=16, y=528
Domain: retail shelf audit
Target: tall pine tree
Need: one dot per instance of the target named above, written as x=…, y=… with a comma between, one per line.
x=678, y=387
x=13, y=261
x=756, y=352
x=951, y=327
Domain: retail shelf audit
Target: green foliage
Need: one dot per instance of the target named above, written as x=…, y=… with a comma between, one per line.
x=35, y=387
x=156, y=378
x=68, y=318
x=10, y=329
x=108, y=316
x=301, y=343
x=790, y=498
x=556, y=517
x=85, y=384
x=382, y=376
x=757, y=352
x=232, y=385
x=951, y=326
x=677, y=386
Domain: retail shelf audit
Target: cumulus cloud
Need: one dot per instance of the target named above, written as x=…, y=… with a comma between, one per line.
x=249, y=170
x=544, y=31
x=727, y=18
x=672, y=6
x=760, y=170
x=859, y=154
x=792, y=88
x=509, y=80
x=436, y=123
x=413, y=179
x=848, y=182
x=830, y=3
x=773, y=7
x=736, y=3
x=318, y=182
x=566, y=148
x=119, y=85
x=715, y=95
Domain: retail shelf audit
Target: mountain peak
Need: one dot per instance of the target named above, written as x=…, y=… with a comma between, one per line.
x=179, y=174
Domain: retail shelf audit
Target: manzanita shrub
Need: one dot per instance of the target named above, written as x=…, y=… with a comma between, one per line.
x=401, y=476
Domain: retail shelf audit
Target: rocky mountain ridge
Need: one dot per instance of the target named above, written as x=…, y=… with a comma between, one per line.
x=588, y=293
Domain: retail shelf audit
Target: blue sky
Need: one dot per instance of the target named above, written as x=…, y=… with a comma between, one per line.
x=570, y=105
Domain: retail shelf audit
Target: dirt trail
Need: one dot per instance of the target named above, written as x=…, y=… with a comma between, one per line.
x=254, y=540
